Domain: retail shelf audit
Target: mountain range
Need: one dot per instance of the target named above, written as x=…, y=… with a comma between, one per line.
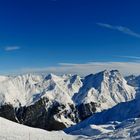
x=54, y=102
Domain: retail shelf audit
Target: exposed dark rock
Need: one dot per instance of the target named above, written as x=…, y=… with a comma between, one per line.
x=42, y=114
x=86, y=110
x=7, y=111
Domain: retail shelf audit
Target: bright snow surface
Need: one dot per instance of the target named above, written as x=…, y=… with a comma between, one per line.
x=126, y=130
x=106, y=88
x=13, y=131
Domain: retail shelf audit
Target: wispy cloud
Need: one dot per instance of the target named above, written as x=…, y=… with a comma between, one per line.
x=122, y=29
x=12, y=48
x=130, y=57
x=125, y=68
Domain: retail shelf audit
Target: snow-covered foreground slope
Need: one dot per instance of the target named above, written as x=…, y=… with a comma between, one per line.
x=13, y=131
x=126, y=130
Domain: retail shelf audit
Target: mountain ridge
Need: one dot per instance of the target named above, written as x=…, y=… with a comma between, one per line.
x=65, y=100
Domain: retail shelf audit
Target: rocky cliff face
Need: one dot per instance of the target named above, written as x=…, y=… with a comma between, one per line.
x=46, y=115
x=42, y=114
x=8, y=111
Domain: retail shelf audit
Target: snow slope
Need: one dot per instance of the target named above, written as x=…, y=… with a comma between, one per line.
x=120, y=112
x=13, y=131
x=126, y=130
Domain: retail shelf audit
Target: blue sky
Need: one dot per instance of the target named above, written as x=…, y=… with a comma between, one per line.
x=62, y=35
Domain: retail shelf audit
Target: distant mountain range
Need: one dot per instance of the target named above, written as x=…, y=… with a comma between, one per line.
x=56, y=102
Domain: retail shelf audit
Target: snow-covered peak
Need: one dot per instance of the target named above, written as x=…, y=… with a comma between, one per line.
x=61, y=88
x=96, y=80
x=107, y=88
x=75, y=80
x=27, y=89
x=53, y=77
x=66, y=76
x=18, y=89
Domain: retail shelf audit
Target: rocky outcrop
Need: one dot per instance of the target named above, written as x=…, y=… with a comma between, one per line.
x=47, y=115
x=86, y=110
x=7, y=111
